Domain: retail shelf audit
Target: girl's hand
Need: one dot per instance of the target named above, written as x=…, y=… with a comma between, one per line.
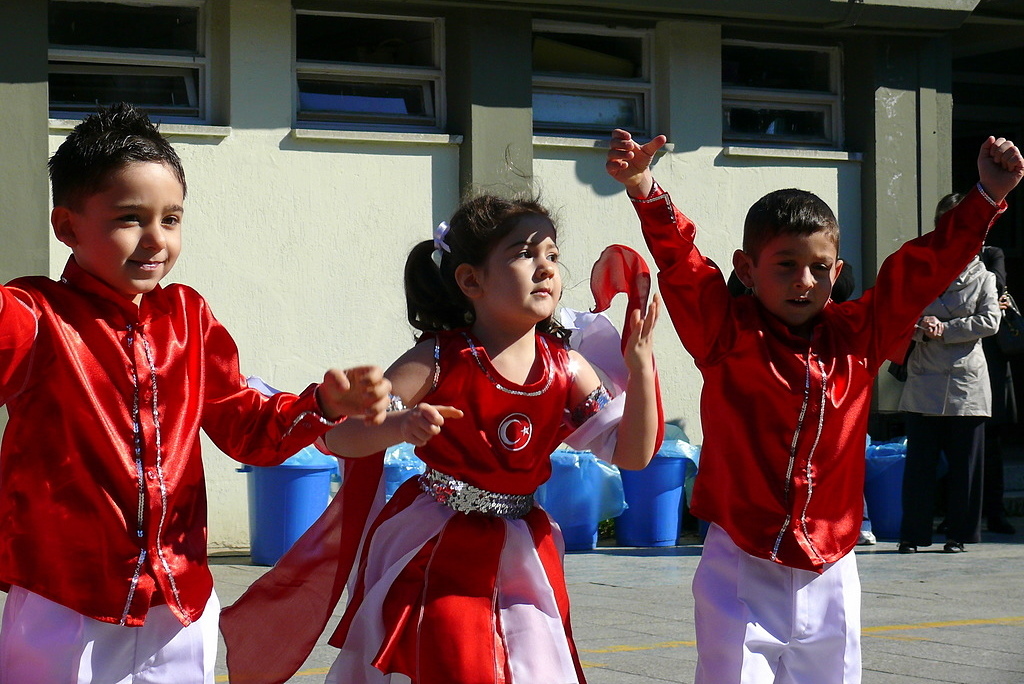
x=361, y=391
x=639, y=351
x=629, y=163
x=423, y=421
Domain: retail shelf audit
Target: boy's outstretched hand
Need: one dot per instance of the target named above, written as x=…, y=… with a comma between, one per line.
x=629, y=162
x=1000, y=167
x=361, y=391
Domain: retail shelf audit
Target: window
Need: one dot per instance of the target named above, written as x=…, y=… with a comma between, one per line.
x=589, y=79
x=369, y=71
x=780, y=94
x=151, y=55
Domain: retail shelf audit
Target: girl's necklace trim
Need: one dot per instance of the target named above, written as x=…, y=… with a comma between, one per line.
x=519, y=393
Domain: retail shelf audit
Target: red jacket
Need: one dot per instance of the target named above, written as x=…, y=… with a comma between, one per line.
x=95, y=514
x=785, y=418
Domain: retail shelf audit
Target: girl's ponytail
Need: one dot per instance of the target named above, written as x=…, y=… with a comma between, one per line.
x=431, y=303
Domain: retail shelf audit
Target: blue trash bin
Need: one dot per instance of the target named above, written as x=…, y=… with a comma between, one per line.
x=579, y=491
x=284, y=500
x=653, y=499
x=883, y=486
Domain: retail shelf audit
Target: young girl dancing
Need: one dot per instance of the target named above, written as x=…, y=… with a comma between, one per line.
x=459, y=576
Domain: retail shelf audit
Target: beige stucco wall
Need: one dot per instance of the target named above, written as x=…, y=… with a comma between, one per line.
x=298, y=242
x=299, y=248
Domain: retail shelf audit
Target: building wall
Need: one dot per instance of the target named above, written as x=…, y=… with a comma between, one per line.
x=298, y=239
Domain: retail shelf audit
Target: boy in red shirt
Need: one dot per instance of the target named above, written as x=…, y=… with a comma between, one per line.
x=108, y=378
x=788, y=375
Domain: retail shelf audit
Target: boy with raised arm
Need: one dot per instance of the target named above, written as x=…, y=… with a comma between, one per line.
x=788, y=375
x=108, y=378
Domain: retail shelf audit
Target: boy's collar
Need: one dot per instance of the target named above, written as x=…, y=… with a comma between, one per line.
x=153, y=303
x=782, y=331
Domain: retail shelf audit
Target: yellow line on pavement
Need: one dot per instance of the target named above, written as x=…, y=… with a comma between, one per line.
x=648, y=647
x=870, y=631
x=867, y=631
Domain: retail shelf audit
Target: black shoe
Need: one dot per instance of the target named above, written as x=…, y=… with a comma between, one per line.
x=953, y=547
x=1001, y=525
x=906, y=547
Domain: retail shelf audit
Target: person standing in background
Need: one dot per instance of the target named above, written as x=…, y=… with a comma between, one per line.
x=947, y=399
x=1004, y=406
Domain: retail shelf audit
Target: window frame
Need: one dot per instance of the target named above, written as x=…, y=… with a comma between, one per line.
x=432, y=79
x=641, y=88
x=139, y=61
x=794, y=100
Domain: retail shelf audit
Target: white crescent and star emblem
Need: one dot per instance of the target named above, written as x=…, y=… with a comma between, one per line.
x=515, y=431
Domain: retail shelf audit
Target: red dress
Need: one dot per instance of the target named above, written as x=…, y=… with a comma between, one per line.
x=437, y=595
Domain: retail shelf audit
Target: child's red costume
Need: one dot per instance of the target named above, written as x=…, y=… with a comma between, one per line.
x=101, y=480
x=784, y=418
x=431, y=595
x=458, y=578
x=452, y=584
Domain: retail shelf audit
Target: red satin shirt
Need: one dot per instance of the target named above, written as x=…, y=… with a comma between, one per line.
x=102, y=493
x=785, y=418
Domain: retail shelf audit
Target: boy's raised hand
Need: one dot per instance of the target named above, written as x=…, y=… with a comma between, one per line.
x=361, y=391
x=1000, y=167
x=629, y=162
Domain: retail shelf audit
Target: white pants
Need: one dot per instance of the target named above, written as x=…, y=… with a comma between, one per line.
x=759, y=622
x=42, y=642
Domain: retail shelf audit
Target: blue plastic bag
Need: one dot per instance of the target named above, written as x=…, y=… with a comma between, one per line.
x=883, y=483
x=400, y=464
x=582, y=491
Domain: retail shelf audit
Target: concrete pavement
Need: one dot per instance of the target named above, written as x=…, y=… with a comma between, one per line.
x=927, y=617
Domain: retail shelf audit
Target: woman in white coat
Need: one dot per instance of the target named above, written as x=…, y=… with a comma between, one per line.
x=947, y=399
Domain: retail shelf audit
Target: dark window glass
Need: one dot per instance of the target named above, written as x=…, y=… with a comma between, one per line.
x=357, y=40
x=166, y=91
x=776, y=68
x=780, y=123
x=588, y=55
x=124, y=27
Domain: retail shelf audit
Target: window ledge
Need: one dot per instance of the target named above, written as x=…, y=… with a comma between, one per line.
x=376, y=136
x=791, y=153
x=583, y=142
x=168, y=129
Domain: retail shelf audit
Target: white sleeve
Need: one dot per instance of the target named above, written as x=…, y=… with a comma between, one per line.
x=598, y=434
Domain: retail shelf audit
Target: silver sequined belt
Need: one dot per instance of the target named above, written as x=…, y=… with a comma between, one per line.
x=465, y=498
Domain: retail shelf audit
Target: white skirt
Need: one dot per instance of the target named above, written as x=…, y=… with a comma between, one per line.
x=529, y=633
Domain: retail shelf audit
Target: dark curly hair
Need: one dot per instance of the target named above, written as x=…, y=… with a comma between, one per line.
x=787, y=212
x=103, y=143
x=434, y=301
